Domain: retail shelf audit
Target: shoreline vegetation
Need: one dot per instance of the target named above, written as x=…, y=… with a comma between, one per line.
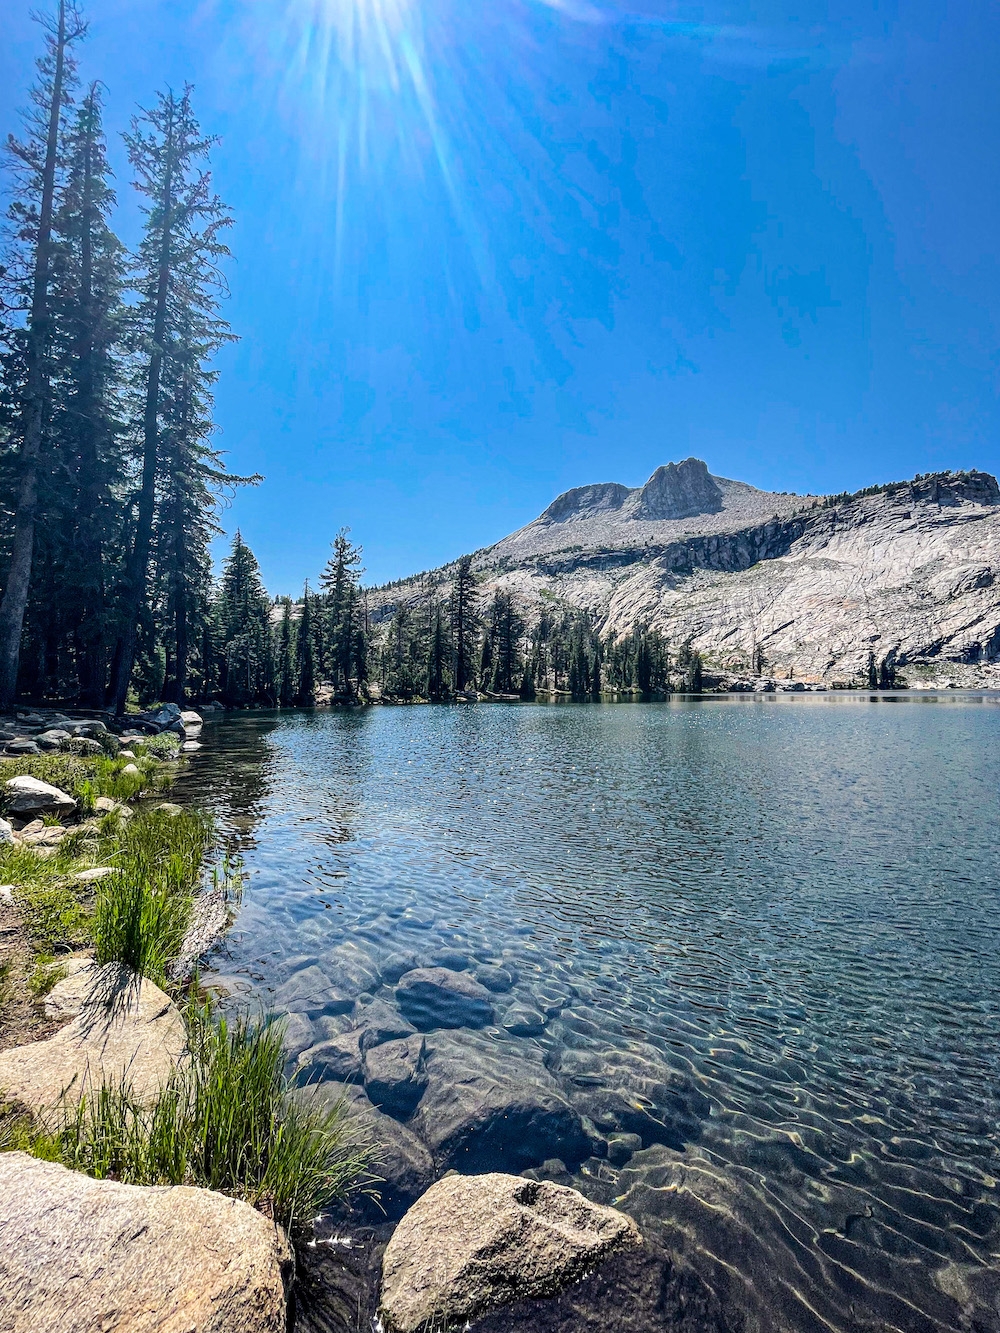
x=103, y=876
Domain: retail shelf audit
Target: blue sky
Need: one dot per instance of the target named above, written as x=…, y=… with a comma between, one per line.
x=489, y=249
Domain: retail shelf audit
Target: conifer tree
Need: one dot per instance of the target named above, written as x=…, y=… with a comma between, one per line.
x=464, y=623
x=286, y=679
x=243, y=617
x=176, y=326
x=39, y=159
x=305, y=670
x=85, y=524
x=339, y=581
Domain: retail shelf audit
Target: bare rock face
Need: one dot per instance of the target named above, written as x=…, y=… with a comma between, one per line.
x=679, y=490
x=28, y=798
x=475, y=1242
x=125, y=1028
x=79, y=1255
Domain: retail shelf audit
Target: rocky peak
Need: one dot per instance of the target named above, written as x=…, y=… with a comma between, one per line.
x=585, y=501
x=679, y=490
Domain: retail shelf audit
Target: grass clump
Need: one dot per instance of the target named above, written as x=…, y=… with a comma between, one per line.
x=142, y=913
x=225, y=1121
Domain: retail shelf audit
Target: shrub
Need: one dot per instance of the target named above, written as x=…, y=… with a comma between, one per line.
x=225, y=1121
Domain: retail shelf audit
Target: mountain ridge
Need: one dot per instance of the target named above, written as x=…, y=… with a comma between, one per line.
x=767, y=583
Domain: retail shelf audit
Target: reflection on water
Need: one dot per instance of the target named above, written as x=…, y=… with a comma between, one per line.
x=785, y=909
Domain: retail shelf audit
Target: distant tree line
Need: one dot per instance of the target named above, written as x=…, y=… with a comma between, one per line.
x=442, y=642
x=110, y=486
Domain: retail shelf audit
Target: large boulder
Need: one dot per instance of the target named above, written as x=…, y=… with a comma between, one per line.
x=475, y=1242
x=28, y=798
x=126, y=1030
x=489, y=1107
x=79, y=1255
x=438, y=997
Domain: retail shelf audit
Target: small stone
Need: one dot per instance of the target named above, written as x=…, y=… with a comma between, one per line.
x=51, y=740
x=380, y=1022
x=92, y=876
x=21, y=746
x=520, y=1021
x=6, y=832
x=621, y=1148
x=168, y=807
x=189, y=747
x=495, y=979
x=104, y=805
x=131, y=768
x=7, y=892
x=126, y=754
x=338, y=1059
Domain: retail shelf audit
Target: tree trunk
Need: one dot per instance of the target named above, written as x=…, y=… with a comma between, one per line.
x=15, y=597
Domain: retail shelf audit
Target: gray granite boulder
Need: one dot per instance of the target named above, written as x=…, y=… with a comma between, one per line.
x=632, y=1091
x=338, y=1058
x=437, y=997
x=81, y=1255
x=379, y=1022
x=29, y=797
x=402, y=1166
x=473, y=1243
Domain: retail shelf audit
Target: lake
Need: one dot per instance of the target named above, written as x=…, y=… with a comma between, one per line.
x=751, y=941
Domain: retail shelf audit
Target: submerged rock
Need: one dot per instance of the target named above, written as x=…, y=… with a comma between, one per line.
x=437, y=997
x=338, y=1058
x=632, y=1092
x=379, y=1022
x=495, y=979
x=474, y=1243
x=81, y=1255
x=395, y=1075
x=489, y=1108
x=27, y=797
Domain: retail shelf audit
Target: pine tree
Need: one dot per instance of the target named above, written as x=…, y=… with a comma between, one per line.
x=339, y=581
x=305, y=670
x=39, y=158
x=243, y=618
x=285, y=667
x=176, y=326
x=89, y=272
x=464, y=623
x=437, y=661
